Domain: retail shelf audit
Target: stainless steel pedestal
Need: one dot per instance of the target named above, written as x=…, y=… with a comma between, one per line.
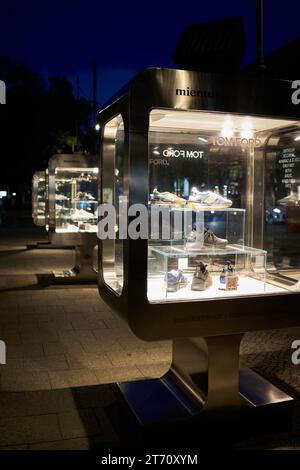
x=83, y=271
x=205, y=380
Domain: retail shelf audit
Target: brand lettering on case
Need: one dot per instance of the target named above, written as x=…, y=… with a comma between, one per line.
x=183, y=153
x=195, y=93
x=235, y=142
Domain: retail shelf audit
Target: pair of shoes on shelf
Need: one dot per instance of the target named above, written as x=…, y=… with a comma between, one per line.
x=202, y=278
x=197, y=199
x=209, y=239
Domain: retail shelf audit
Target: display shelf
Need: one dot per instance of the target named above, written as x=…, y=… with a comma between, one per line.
x=75, y=229
x=248, y=263
x=175, y=251
x=77, y=219
x=247, y=286
x=197, y=209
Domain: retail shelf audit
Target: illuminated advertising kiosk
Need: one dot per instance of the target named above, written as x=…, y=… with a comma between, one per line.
x=73, y=211
x=215, y=161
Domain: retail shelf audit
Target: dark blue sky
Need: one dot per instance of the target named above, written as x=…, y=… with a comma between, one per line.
x=63, y=36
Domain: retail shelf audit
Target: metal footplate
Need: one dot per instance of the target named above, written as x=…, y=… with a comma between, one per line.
x=198, y=386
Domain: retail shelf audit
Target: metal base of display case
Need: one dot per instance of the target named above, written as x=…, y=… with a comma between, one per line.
x=166, y=400
x=205, y=382
x=83, y=271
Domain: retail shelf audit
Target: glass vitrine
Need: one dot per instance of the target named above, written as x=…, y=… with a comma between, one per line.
x=217, y=174
x=199, y=220
x=202, y=165
x=282, y=203
x=76, y=199
x=39, y=198
x=73, y=182
x=199, y=237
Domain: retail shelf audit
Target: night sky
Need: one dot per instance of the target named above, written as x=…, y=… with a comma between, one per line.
x=63, y=36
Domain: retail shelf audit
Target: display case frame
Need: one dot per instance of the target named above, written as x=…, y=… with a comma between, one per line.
x=158, y=88
x=83, y=241
x=202, y=330
x=38, y=176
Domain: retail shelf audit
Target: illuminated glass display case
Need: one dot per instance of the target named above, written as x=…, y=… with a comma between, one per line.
x=73, y=181
x=215, y=162
x=39, y=198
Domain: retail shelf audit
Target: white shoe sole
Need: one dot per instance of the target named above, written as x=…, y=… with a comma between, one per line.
x=198, y=205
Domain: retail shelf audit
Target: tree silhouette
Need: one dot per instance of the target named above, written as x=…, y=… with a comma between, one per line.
x=38, y=120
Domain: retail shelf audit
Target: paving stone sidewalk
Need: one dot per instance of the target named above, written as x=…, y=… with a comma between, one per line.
x=64, y=346
x=66, y=349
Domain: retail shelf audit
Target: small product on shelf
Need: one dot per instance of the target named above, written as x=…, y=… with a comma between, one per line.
x=175, y=280
x=202, y=279
x=229, y=277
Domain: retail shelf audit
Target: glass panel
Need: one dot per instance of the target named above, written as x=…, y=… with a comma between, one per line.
x=282, y=215
x=76, y=199
x=39, y=198
x=113, y=193
x=201, y=165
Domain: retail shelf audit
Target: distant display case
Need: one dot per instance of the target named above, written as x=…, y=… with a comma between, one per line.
x=73, y=181
x=219, y=158
x=39, y=198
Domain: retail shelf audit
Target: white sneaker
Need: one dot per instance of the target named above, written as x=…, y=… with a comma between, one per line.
x=208, y=199
x=166, y=198
x=81, y=214
x=290, y=200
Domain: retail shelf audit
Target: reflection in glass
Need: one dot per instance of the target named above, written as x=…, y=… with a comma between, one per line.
x=113, y=192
